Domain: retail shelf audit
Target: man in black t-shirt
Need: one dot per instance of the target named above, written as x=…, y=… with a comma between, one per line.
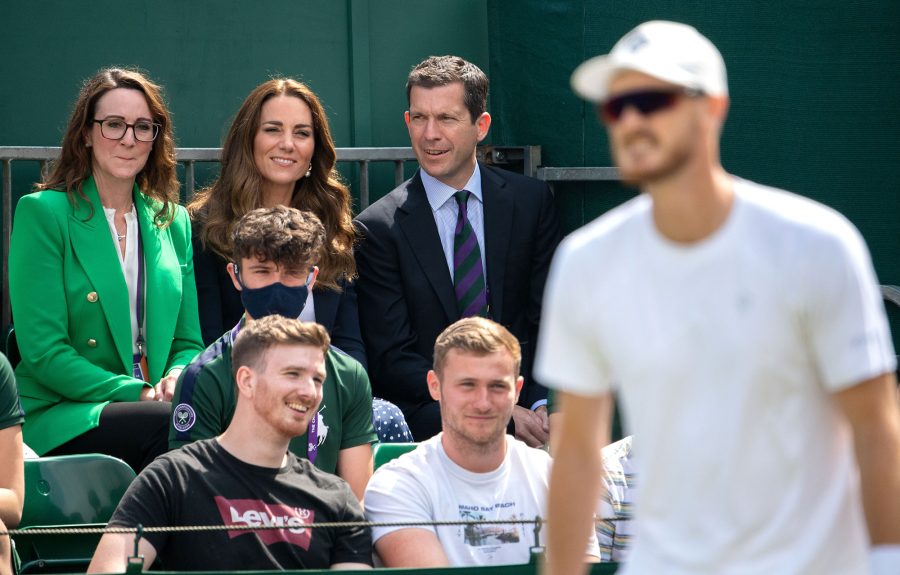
x=246, y=477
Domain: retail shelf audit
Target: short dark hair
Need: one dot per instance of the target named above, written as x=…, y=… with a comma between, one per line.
x=478, y=336
x=260, y=335
x=283, y=235
x=442, y=70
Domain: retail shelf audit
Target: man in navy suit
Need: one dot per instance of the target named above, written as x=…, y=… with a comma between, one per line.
x=408, y=258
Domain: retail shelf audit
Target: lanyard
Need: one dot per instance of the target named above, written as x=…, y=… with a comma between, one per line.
x=139, y=300
x=139, y=368
x=312, y=431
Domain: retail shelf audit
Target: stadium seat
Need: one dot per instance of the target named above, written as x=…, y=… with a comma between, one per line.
x=68, y=491
x=384, y=452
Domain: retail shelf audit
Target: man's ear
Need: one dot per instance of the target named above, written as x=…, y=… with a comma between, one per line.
x=434, y=385
x=484, y=124
x=245, y=380
x=718, y=106
x=520, y=381
x=232, y=273
x=406, y=118
x=315, y=276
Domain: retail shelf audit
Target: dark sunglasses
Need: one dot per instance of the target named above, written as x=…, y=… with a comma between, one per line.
x=645, y=101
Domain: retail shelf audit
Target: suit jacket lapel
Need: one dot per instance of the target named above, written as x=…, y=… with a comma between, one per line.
x=162, y=290
x=421, y=232
x=498, y=220
x=93, y=246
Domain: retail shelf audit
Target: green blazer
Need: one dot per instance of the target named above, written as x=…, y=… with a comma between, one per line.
x=72, y=315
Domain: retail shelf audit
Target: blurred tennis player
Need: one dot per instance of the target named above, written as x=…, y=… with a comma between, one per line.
x=744, y=330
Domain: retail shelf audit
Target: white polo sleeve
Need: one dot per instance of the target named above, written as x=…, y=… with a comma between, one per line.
x=570, y=356
x=846, y=321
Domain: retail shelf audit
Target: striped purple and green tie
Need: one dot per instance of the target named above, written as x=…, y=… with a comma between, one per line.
x=468, y=272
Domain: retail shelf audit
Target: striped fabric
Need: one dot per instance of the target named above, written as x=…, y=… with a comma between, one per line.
x=614, y=533
x=468, y=272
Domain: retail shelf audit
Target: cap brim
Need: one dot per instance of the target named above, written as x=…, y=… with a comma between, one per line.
x=591, y=78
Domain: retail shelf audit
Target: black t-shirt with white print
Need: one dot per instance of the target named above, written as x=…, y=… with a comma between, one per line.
x=203, y=484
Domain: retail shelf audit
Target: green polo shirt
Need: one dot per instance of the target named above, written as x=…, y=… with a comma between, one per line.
x=205, y=397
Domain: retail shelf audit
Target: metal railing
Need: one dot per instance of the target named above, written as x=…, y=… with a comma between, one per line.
x=189, y=157
x=525, y=158
x=589, y=174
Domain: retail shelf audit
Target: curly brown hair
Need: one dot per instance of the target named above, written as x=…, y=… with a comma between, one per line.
x=283, y=235
x=157, y=180
x=237, y=190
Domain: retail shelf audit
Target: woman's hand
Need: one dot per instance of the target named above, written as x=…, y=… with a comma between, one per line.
x=165, y=389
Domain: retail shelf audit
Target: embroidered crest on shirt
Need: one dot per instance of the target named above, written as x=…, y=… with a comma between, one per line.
x=322, y=426
x=183, y=417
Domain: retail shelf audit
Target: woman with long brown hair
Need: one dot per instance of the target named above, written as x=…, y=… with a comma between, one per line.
x=278, y=150
x=101, y=279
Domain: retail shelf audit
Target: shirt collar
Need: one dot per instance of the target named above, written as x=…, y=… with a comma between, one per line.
x=439, y=193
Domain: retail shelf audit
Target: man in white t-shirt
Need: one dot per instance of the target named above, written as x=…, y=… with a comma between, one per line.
x=472, y=470
x=744, y=330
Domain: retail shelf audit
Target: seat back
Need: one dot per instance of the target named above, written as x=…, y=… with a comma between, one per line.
x=68, y=491
x=384, y=452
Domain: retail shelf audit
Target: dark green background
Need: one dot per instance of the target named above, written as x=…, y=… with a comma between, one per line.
x=814, y=85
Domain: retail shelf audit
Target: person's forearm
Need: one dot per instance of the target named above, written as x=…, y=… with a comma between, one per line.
x=574, y=491
x=879, y=464
x=575, y=481
x=355, y=465
x=10, y=508
x=5, y=552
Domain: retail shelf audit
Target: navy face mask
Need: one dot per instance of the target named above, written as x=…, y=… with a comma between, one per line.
x=275, y=298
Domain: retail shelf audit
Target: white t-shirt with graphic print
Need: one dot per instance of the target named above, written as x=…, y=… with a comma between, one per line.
x=425, y=485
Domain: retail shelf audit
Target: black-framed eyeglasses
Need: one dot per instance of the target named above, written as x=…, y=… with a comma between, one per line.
x=115, y=128
x=644, y=101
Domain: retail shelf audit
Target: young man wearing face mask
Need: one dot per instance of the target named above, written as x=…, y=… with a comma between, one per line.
x=275, y=252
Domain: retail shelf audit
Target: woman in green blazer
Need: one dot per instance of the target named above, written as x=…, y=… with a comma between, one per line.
x=102, y=280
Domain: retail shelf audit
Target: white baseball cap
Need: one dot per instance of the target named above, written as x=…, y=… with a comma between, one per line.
x=670, y=51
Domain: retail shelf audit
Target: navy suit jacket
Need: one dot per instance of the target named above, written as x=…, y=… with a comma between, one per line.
x=221, y=308
x=405, y=289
